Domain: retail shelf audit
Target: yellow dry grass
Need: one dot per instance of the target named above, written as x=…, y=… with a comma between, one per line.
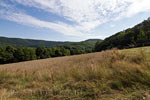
x=107, y=75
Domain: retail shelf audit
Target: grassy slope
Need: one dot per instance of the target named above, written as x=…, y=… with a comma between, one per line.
x=108, y=75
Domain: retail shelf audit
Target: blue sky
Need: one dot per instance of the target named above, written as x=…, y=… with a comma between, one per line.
x=69, y=20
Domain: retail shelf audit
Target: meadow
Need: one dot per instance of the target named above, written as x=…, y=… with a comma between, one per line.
x=107, y=75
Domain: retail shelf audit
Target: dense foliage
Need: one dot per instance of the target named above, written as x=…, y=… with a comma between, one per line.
x=17, y=50
x=80, y=47
x=137, y=36
x=37, y=49
x=10, y=54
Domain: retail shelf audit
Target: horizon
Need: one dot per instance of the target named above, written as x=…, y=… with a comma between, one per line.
x=47, y=40
x=57, y=20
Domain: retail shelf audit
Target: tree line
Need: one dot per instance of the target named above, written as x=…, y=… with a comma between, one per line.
x=11, y=54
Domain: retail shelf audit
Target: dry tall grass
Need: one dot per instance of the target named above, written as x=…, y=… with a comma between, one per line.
x=108, y=75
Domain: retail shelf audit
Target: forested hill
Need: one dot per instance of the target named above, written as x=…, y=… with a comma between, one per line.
x=4, y=41
x=137, y=36
x=81, y=47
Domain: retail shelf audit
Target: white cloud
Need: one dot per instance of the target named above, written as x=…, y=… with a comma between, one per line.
x=138, y=6
x=29, y=20
x=88, y=14
x=135, y=7
x=89, y=11
x=112, y=25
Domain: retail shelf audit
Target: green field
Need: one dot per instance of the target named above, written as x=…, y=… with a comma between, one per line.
x=145, y=50
x=107, y=75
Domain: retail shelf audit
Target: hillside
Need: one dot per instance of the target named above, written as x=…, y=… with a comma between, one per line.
x=4, y=41
x=137, y=36
x=107, y=75
x=81, y=47
x=90, y=43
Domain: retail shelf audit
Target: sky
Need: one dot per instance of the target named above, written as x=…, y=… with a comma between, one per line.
x=69, y=20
